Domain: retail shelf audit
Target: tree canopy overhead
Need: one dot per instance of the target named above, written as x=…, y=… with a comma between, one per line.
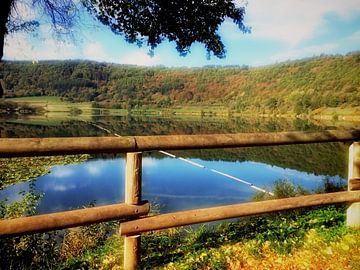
x=184, y=22
x=140, y=21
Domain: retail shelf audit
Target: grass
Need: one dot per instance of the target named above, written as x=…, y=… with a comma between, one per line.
x=55, y=107
x=316, y=253
x=336, y=114
x=53, y=104
x=315, y=238
x=37, y=99
x=307, y=239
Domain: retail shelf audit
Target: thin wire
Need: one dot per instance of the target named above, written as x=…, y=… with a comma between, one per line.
x=196, y=164
x=218, y=172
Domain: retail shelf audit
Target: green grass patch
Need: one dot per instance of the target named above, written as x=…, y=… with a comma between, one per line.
x=37, y=99
x=286, y=240
x=206, y=247
x=55, y=107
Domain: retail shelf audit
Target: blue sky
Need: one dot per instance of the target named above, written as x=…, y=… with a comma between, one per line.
x=281, y=30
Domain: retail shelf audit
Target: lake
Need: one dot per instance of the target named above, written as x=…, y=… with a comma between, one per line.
x=169, y=183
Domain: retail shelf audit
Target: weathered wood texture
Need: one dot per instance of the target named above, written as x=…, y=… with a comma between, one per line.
x=353, y=211
x=131, y=252
x=180, y=142
x=62, y=146
x=133, y=178
x=67, y=219
x=182, y=218
x=354, y=184
x=133, y=174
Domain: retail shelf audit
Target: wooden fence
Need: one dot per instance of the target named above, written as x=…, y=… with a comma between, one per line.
x=133, y=213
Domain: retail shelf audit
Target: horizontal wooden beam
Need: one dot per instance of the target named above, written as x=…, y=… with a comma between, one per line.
x=354, y=184
x=17, y=147
x=180, y=142
x=62, y=146
x=177, y=219
x=74, y=218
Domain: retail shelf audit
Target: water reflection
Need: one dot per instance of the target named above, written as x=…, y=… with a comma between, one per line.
x=170, y=183
x=41, y=126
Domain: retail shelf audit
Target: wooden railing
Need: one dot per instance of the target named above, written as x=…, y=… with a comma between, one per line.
x=133, y=214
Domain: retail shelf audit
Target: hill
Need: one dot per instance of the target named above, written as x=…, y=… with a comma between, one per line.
x=296, y=87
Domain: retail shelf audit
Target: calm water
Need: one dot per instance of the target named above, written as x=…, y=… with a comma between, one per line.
x=171, y=183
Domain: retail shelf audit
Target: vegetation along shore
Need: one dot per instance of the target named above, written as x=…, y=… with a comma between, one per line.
x=325, y=87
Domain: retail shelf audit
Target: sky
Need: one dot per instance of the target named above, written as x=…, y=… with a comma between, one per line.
x=281, y=30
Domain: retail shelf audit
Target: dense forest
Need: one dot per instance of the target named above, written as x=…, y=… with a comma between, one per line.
x=296, y=86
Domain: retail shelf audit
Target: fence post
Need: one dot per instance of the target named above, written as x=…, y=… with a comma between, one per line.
x=353, y=211
x=132, y=196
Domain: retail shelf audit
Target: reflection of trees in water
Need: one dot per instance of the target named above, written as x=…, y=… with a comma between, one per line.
x=62, y=129
x=42, y=250
x=326, y=159
x=130, y=125
x=320, y=159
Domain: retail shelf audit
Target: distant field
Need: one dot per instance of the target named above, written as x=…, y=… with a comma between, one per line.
x=42, y=99
x=51, y=101
x=57, y=107
x=349, y=114
x=54, y=105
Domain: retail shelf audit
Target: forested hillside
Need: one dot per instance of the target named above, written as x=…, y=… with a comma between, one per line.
x=298, y=86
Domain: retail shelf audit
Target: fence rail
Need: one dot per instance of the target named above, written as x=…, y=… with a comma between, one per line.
x=74, y=218
x=134, y=212
x=189, y=217
x=83, y=145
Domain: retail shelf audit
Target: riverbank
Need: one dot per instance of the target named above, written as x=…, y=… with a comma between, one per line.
x=299, y=239
x=54, y=107
x=51, y=106
x=165, y=250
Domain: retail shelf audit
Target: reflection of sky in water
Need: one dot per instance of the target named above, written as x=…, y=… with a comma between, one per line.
x=171, y=183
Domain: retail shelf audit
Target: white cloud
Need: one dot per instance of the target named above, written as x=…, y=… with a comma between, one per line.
x=61, y=172
x=293, y=21
x=309, y=51
x=61, y=188
x=355, y=37
x=58, y=185
x=150, y=162
x=95, y=168
x=95, y=51
x=19, y=46
x=139, y=58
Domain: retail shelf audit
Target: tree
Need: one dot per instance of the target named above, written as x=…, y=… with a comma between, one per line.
x=140, y=21
x=5, y=11
x=62, y=14
x=181, y=21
